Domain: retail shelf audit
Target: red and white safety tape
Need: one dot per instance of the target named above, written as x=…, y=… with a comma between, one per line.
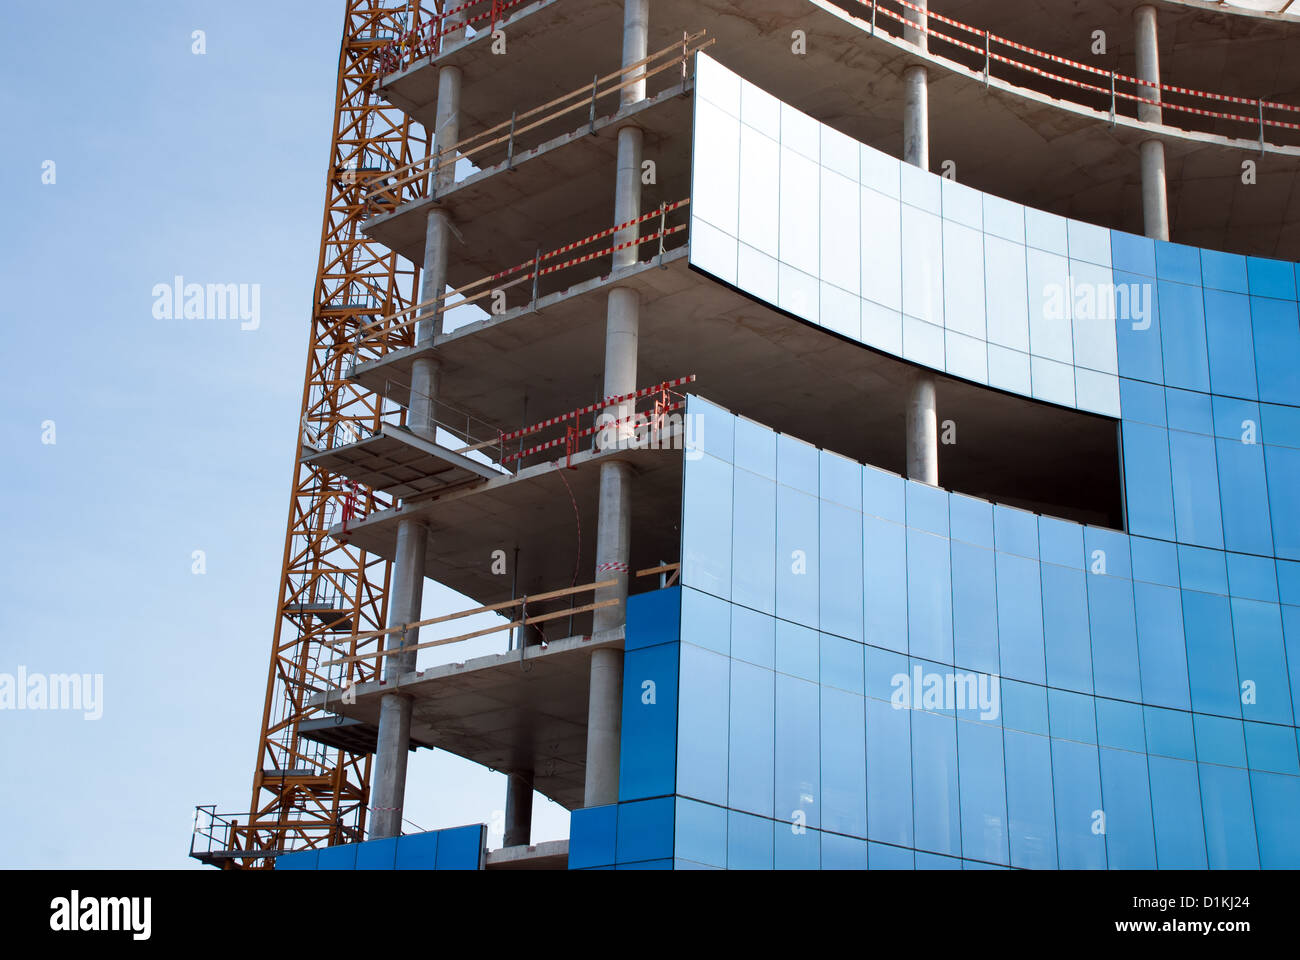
x=1086, y=67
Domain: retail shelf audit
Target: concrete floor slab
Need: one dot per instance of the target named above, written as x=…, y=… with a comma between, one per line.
x=549, y=196
x=397, y=461
x=551, y=855
x=549, y=514
x=525, y=710
x=786, y=373
x=1010, y=138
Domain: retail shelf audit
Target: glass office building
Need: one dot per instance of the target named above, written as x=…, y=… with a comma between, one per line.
x=860, y=671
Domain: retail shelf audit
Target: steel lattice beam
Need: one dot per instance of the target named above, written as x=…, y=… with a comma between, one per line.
x=306, y=794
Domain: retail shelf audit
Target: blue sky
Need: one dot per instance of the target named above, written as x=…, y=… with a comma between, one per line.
x=170, y=435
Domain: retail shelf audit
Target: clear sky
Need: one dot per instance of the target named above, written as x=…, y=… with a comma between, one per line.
x=169, y=435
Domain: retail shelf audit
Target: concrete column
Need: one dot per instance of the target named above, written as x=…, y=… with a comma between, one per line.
x=1155, y=198
x=519, y=810
x=922, y=420
x=1148, y=61
x=916, y=99
x=916, y=117
x=636, y=32
x=614, y=518
x=388, y=781
x=627, y=192
x=923, y=432
x=437, y=241
x=604, y=727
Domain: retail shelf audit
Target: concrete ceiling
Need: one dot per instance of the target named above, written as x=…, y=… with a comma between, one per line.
x=1202, y=46
x=1005, y=138
x=513, y=712
x=782, y=372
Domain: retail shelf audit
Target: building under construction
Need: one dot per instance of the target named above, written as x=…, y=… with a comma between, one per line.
x=874, y=429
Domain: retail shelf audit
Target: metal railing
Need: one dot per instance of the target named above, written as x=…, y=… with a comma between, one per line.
x=380, y=648
x=425, y=39
x=471, y=433
x=419, y=179
x=374, y=339
x=1103, y=89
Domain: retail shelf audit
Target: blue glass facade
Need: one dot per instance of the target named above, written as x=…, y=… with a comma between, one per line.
x=860, y=671
x=457, y=848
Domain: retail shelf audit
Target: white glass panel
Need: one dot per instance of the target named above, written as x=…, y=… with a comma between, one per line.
x=800, y=235
x=1004, y=219
x=1009, y=370
x=798, y=294
x=962, y=204
x=760, y=110
x=921, y=189
x=1092, y=311
x=716, y=191
x=839, y=153
x=967, y=357
x=840, y=252
x=760, y=183
x=880, y=171
x=922, y=265
x=713, y=251
x=1008, y=304
x=1049, y=306
x=841, y=311
x=1053, y=381
x=1097, y=392
x=757, y=274
x=1089, y=242
x=1045, y=231
x=923, y=343
x=718, y=85
x=800, y=132
x=882, y=328
x=963, y=279
x=882, y=267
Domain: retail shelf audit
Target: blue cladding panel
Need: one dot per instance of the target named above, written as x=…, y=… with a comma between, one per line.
x=645, y=830
x=342, y=857
x=1135, y=692
x=303, y=860
x=649, y=749
x=419, y=851
x=377, y=854
x=460, y=848
x=593, y=833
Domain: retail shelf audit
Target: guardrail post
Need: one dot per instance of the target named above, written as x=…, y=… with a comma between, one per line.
x=1261, y=127
x=537, y=272
x=595, y=80
x=873, y=17
x=987, y=59
x=663, y=225
x=510, y=143
x=1112, y=98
